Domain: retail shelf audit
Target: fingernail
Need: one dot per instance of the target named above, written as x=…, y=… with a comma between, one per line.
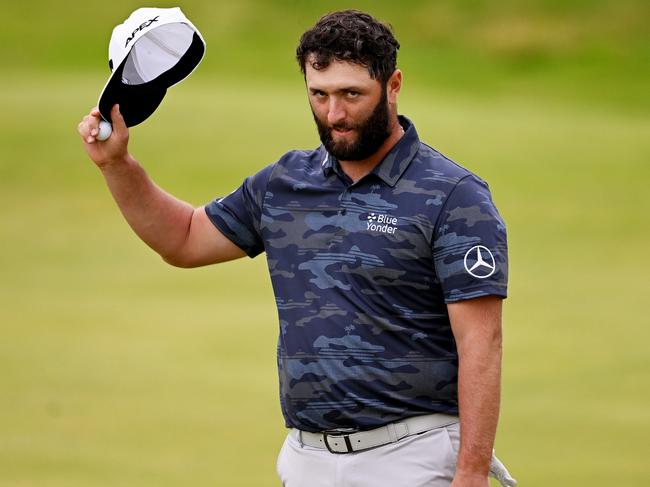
x=93, y=132
x=89, y=139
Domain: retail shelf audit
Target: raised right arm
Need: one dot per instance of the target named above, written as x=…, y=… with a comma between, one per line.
x=181, y=234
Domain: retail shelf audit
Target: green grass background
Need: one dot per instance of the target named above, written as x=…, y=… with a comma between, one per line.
x=118, y=370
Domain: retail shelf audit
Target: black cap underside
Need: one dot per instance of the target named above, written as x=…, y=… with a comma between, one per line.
x=138, y=102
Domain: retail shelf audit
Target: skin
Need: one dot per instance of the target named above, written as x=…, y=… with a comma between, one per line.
x=476, y=324
x=181, y=234
x=343, y=94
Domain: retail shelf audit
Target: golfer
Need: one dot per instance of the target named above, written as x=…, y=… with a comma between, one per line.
x=389, y=266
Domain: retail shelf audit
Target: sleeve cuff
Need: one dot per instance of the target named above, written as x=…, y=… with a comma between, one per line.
x=232, y=229
x=456, y=295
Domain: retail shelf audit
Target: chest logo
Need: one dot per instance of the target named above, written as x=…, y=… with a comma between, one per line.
x=479, y=262
x=382, y=223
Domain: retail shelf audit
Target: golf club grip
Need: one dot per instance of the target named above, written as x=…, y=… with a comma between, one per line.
x=105, y=130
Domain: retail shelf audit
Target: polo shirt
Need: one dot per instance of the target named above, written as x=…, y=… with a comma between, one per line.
x=362, y=273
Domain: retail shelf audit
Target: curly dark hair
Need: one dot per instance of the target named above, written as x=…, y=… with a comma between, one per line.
x=353, y=36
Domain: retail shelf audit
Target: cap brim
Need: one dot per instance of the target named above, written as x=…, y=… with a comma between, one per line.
x=138, y=102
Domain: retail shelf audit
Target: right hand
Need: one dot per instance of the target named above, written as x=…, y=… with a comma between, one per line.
x=110, y=151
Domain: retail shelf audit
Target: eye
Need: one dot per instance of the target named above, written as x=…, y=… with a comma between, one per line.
x=318, y=94
x=352, y=94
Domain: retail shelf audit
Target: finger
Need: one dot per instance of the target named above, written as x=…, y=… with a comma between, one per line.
x=94, y=115
x=119, y=126
x=92, y=120
x=88, y=133
x=81, y=128
x=84, y=130
x=92, y=123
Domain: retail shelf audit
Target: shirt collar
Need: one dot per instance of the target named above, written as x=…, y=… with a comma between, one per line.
x=328, y=162
x=391, y=168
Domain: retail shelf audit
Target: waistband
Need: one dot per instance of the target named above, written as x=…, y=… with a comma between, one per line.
x=348, y=442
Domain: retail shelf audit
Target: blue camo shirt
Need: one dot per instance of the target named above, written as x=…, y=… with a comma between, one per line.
x=362, y=273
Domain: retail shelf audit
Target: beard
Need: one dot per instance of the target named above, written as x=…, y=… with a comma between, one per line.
x=371, y=134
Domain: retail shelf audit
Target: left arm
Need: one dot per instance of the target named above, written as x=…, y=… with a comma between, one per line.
x=476, y=325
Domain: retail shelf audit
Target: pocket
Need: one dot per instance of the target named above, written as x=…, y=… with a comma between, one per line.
x=453, y=435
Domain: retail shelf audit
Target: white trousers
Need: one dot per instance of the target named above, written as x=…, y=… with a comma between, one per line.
x=424, y=460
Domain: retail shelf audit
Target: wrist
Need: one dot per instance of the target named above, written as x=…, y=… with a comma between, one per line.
x=470, y=478
x=126, y=160
x=473, y=466
x=471, y=474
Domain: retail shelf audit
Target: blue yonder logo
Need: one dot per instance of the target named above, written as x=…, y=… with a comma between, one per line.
x=381, y=223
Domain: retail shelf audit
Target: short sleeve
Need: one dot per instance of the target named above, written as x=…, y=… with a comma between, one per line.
x=237, y=216
x=470, y=248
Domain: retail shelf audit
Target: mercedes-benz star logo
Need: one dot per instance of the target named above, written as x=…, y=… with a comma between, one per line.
x=479, y=262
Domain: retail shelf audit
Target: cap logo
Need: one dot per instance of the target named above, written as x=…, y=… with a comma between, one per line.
x=143, y=25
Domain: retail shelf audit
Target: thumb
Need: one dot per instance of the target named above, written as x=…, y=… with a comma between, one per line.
x=119, y=126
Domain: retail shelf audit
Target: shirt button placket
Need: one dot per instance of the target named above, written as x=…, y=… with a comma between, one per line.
x=345, y=197
x=337, y=236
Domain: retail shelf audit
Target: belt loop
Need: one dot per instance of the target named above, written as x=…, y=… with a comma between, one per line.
x=392, y=434
x=302, y=445
x=402, y=430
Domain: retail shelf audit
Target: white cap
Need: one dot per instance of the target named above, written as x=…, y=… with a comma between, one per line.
x=153, y=49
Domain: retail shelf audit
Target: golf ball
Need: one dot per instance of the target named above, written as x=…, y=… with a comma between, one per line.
x=105, y=130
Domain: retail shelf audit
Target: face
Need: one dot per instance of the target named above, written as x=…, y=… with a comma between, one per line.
x=350, y=108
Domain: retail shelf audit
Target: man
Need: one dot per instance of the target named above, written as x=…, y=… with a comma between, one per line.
x=389, y=266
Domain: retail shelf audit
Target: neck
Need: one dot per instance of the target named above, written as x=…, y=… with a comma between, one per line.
x=355, y=170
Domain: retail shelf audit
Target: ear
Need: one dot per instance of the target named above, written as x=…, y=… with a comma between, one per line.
x=393, y=86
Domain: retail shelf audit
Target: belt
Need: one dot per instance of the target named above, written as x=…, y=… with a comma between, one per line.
x=348, y=442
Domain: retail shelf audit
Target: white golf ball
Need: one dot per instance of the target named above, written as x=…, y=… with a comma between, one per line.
x=105, y=130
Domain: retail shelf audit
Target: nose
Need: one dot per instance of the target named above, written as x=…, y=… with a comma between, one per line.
x=336, y=113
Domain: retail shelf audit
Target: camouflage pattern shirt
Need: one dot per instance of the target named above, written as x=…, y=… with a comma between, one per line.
x=362, y=273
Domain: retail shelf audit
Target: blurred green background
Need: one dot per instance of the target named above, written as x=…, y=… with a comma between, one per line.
x=118, y=370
